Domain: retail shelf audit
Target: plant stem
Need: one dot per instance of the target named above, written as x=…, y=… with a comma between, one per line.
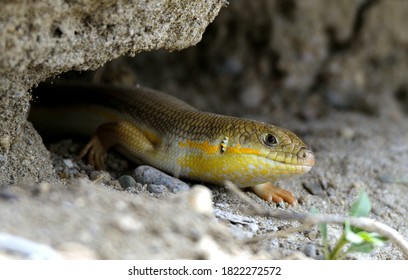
x=339, y=246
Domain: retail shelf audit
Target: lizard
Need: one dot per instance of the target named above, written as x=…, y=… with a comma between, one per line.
x=151, y=127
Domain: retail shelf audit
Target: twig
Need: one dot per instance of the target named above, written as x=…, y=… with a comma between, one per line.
x=311, y=220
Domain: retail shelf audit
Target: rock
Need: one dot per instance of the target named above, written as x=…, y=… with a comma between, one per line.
x=313, y=188
x=127, y=182
x=68, y=163
x=242, y=226
x=200, y=200
x=210, y=250
x=148, y=175
x=310, y=250
x=100, y=176
x=128, y=224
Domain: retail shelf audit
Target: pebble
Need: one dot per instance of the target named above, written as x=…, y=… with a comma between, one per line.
x=100, y=176
x=243, y=226
x=44, y=188
x=127, y=182
x=7, y=195
x=210, y=250
x=147, y=175
x=128, y=224
x=68, y=163
x=200, y=200
x=310, y=250
x=5, y=142
x=313, y=188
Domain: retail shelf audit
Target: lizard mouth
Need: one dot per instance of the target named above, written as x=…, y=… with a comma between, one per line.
x=306, y=158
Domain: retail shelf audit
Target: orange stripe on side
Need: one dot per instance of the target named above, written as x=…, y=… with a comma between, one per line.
x=212, y=149
x=204, y=146
x=241, y=150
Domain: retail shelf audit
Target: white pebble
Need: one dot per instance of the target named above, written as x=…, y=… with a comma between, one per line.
x=68, y=163
x=128, y=224
x=200, y=200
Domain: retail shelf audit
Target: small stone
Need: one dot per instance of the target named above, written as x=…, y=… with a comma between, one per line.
x=64, y=174
x=98, y=176
x=148, y=175
x=6, y=194
x=5, y=142
x=127, y=182
x=128, y=224
x=200, y=200
x=158, y=189
x=310, y=250
x=243, y=226
x=313, y=188
x=210, y=250
x=68, y=163
x=44, y=188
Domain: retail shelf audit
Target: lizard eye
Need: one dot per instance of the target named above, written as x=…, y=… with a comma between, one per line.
x=270, y=140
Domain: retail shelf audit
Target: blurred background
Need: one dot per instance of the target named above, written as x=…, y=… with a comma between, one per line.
x=302, y=58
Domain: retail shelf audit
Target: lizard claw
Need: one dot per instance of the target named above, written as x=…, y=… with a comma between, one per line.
x=270, y=193
x=96, y=153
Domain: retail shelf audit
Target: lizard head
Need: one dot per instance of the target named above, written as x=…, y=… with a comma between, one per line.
x=268, y=152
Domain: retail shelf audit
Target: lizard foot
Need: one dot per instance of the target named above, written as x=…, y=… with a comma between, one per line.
x=270, y=193
x=96, y=153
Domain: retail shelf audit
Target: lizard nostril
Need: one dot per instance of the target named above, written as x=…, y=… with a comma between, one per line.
x=306, y=156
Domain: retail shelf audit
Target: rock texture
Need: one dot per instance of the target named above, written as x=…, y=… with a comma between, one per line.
x=41, y=39
x=293, y=56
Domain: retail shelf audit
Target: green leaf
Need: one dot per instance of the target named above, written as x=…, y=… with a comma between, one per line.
x=361, y=207
x=323, y=231
x=373, y=238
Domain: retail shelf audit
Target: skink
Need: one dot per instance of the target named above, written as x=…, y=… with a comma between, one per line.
x=159, y=130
